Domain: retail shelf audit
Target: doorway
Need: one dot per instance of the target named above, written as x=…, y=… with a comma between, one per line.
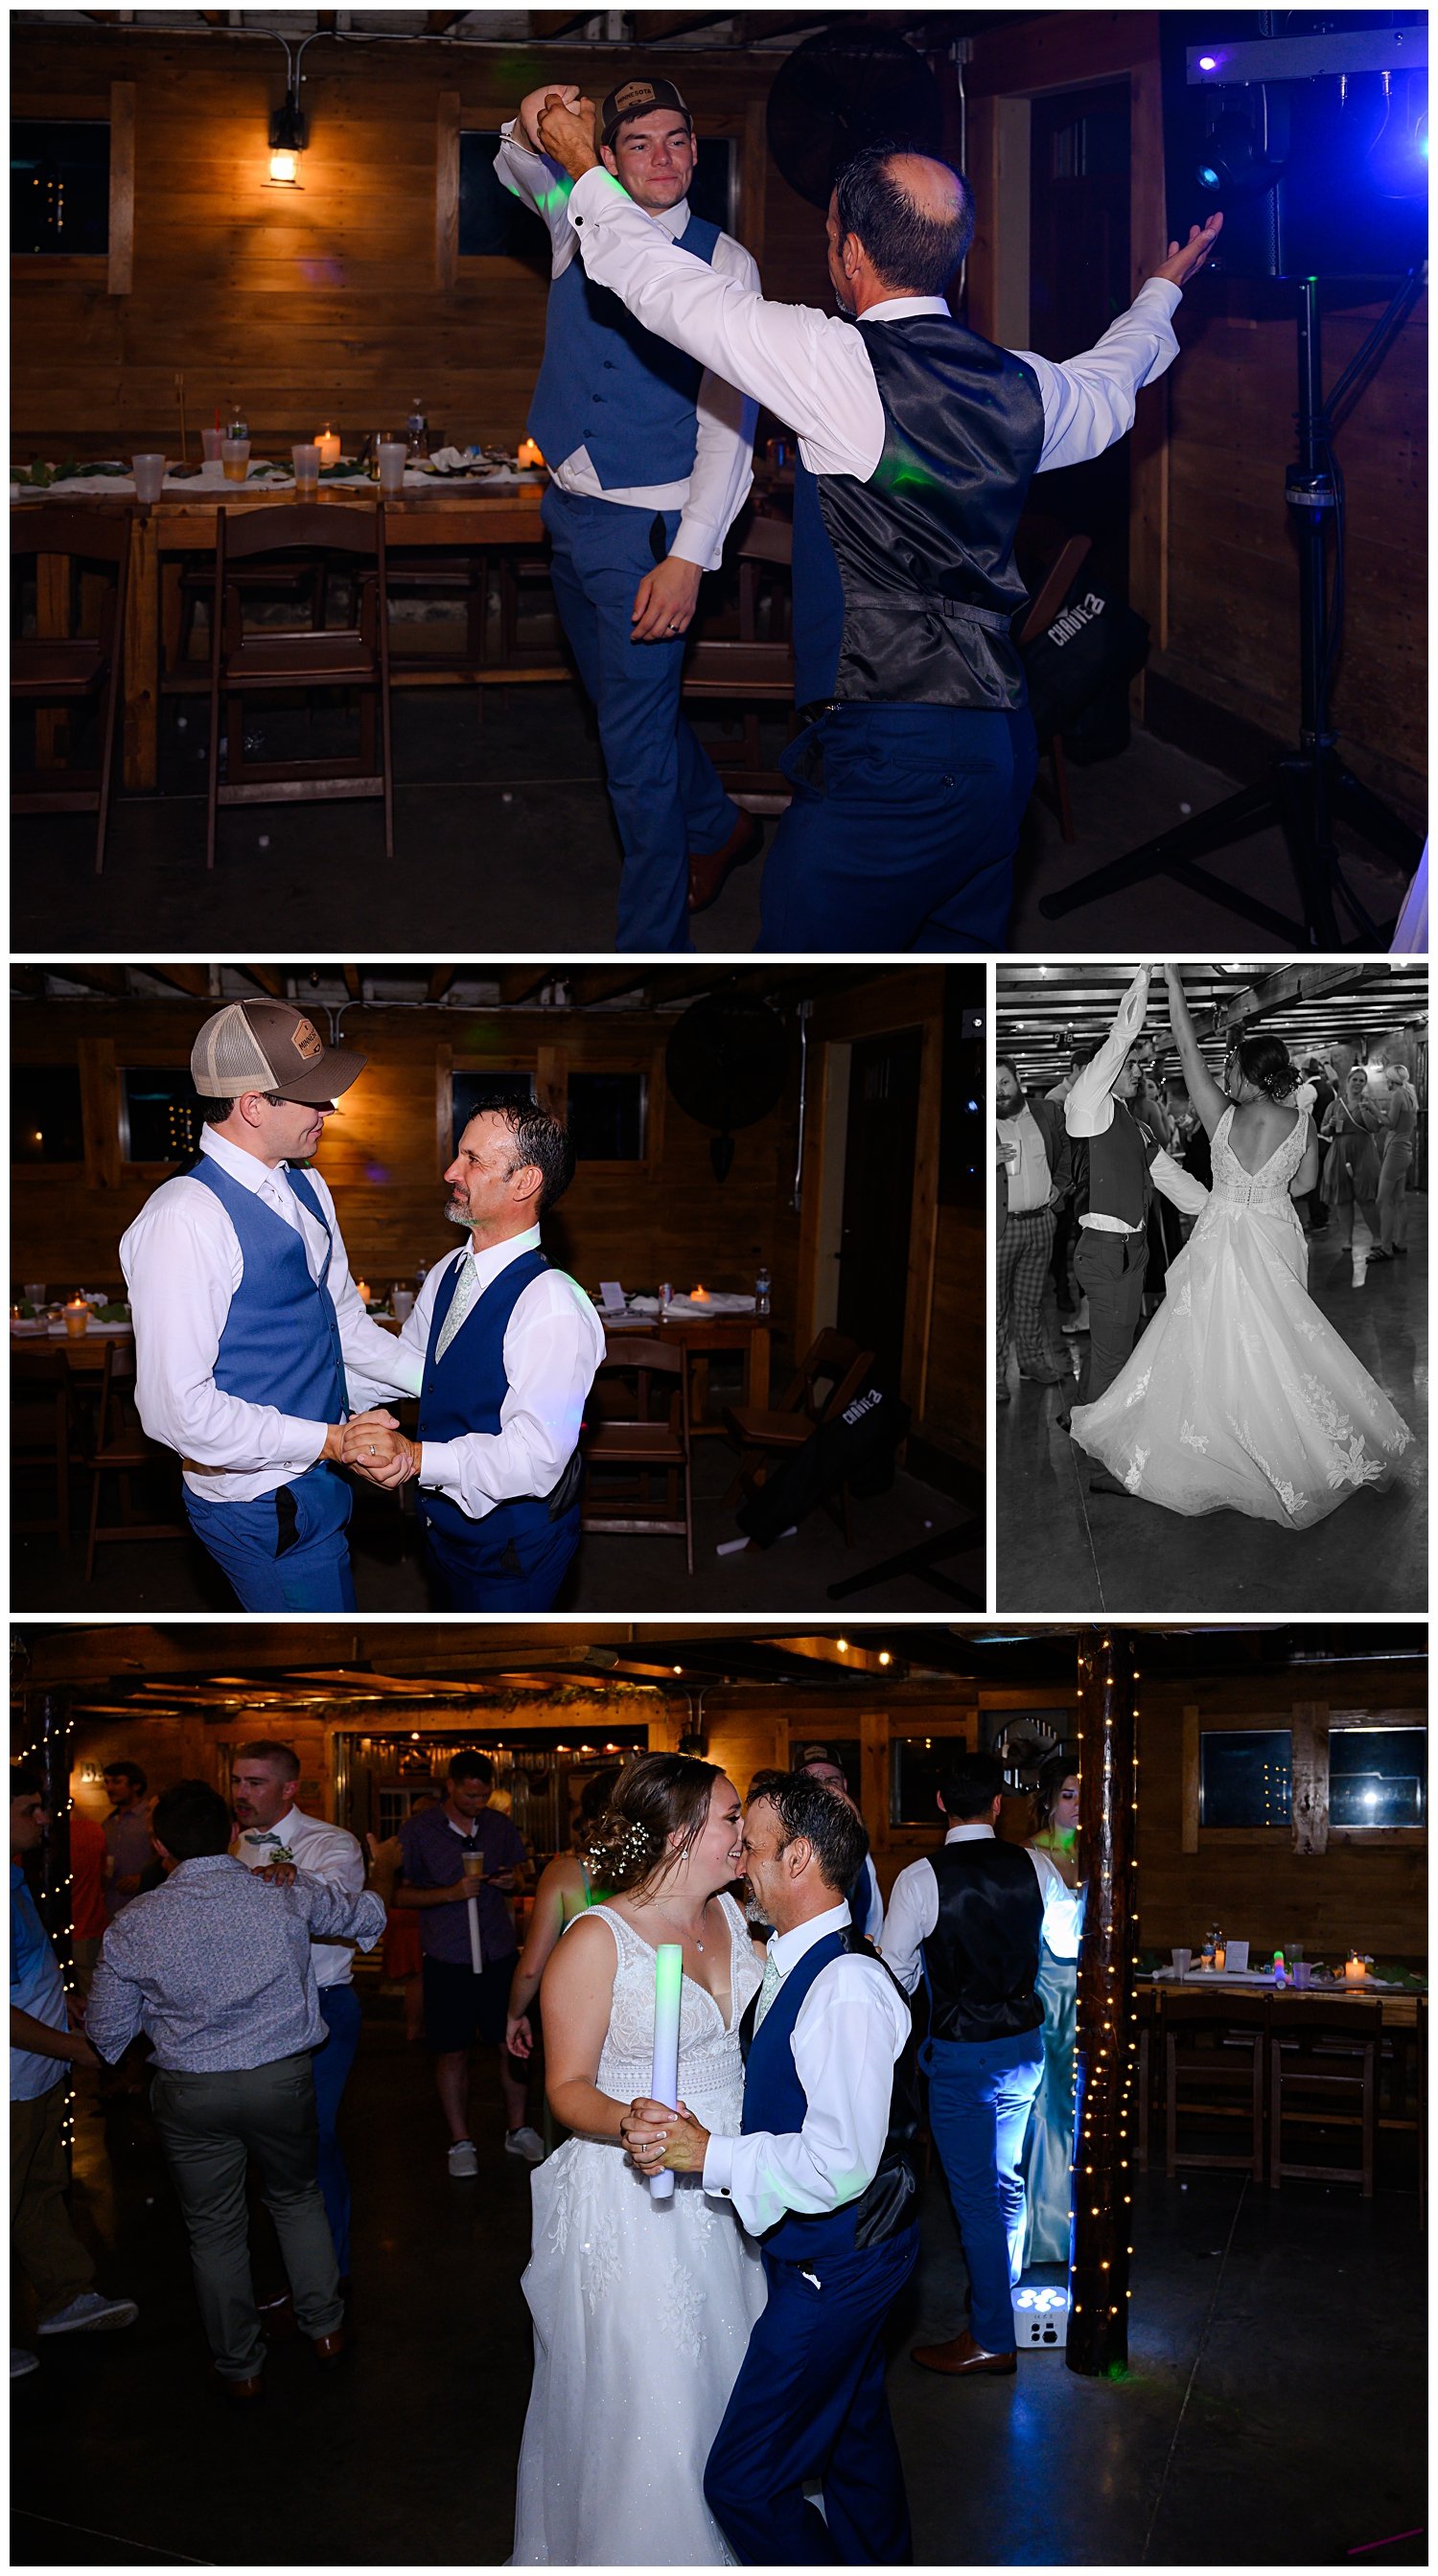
x=879, y=1153
x=1079, y=226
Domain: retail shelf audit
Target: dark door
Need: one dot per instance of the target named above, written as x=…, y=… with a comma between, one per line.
x=1079, y=284
x=878, y=1195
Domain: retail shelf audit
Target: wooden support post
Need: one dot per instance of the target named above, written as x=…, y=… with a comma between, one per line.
x=1106, y=2069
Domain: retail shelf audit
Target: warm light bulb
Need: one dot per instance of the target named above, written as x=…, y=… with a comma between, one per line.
x=284, y=168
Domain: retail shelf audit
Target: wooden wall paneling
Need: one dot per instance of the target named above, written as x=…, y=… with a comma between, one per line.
x=1189, y=1833
x=816, y=1144
x=872, y=1786
x=1310, y=1777
x=923, y=1221
x=100, y=1111
x=120, y=274
x=446, y=189
x=953, y=1415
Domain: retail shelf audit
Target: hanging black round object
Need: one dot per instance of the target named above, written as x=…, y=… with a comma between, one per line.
x=837, y=93
x=725, y=1064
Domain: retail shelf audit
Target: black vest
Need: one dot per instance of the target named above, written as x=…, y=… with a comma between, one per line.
x=892, y=2198
x=905, y=588
x=1111, y=1171
x=982, y=1957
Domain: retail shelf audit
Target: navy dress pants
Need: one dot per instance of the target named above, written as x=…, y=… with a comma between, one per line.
x=340, y=2006
x=480, y=1569
x=809, y=2406
x=980, y=2095
x=902, y=830
x=285, y=1551
x=663, y=787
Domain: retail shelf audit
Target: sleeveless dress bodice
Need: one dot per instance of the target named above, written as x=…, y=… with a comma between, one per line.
x=1267, y=1188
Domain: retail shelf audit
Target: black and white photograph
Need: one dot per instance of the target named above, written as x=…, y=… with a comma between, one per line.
x=1211, y=1286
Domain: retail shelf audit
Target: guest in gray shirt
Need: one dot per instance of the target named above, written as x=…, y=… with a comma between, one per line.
x=215, y=1968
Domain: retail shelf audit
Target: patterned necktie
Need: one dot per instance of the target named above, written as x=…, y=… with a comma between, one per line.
x=773, y=1979
x=466, y=1289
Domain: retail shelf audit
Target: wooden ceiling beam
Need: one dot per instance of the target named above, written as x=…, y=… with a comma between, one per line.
x=441, y=978
x=516, y=983
x=191, y=980
x=351, y=975
x=269, y=979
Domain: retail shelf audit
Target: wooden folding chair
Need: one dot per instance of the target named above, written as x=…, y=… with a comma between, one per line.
x=754, y=668
x=121, y=1449
x=1214, y=2055
x=1323, y=2073
x=75, y=670
x=649, y=1443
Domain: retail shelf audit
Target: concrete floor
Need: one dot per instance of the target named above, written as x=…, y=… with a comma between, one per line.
x=505, y=844
x=1273, y=2412
x=635, y=1576
x=1061, y=1547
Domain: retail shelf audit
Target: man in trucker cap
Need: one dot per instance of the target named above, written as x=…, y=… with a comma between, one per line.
x=247, y=1322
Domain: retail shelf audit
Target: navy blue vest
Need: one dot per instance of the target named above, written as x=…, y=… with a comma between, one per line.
x=281, y=1339
x=774, y=2100
x=904, y=587
x=982, y=1957
x=463, y=1392
x=611, y=387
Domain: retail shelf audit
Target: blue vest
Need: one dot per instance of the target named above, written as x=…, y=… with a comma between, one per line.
x=611, y=387
x=774, y=2100
x=904, y=586
x=281, y=1339
x=463, y=1393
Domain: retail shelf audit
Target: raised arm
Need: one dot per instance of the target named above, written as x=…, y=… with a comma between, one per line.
x=1203, y=1091
x=1088, y=1110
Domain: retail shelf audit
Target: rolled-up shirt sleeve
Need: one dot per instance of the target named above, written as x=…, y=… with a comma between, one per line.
x=850, y=2029
x=1089, y=401
x=1088, y=1110
x=553, y=1344
x=337, y=1913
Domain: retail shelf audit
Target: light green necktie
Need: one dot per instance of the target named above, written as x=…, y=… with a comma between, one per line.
x=466, y=1289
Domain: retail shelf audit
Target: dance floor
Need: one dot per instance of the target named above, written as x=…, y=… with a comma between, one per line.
x=1061, y=1547
x=1253, y=2427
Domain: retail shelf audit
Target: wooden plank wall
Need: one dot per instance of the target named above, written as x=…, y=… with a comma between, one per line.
x=668, y=1219
x=326, y=303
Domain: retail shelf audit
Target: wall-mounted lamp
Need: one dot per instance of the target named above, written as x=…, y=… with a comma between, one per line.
x=289, y=135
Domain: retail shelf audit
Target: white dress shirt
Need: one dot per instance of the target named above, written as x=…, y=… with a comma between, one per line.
x=712, y=496
x=553, y=1343
x=182, y=1264
x=322, y=1851
x=1088, y=1111
x=914, y=1907
x=813, y=370
x=1030, y=1180
x=851, y=2028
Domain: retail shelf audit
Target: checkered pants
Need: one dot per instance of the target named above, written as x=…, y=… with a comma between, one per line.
x=1025, y=1247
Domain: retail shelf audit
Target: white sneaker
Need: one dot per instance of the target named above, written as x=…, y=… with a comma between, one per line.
x=22, y=2362
x=89, y=2311
x=527, y=2143
x=463, y=2159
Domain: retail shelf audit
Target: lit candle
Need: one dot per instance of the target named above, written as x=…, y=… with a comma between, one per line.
x=327, y=441
x=1355, y=1969
x=362, y=1291
x=77, y=1317
x=664, y=2072
x=699, y=1295
x=528, y=453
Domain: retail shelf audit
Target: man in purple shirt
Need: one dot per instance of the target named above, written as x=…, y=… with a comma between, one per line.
x=458, y=2004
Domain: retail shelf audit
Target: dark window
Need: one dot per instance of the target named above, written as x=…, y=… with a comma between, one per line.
x=917, y=1766
x=475, y=1091
x=1245, y=1776
x=1378, y=1775
x=492, y=223
x=607, y=1116
x=59, y=186
x=45, y=1121
x=160, y=1117
x=712, y=194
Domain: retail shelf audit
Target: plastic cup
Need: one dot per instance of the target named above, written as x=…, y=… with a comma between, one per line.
x=1302, y=1974
x=211, y=445
x=1182, y=1962
x=236, y=457
x=35, y=1291
x=149, y=474
x=306, y=461
x=403, y=1303
x=392, y=461
x=77, y=1322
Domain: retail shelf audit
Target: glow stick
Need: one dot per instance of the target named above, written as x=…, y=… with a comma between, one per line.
x=664, y=2074
x=474, y=1869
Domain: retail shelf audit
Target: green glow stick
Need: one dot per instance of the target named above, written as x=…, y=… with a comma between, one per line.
x=664, y=2070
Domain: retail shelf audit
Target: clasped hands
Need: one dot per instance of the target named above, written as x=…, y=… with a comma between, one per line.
x=373, y=1446
x=657, y=2138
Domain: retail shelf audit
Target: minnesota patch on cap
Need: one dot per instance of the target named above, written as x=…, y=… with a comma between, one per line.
x=639, y=98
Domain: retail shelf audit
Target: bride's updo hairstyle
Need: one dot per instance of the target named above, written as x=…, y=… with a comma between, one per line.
x=659, y=1794
x=1266, y=1063
x=1053, y=1771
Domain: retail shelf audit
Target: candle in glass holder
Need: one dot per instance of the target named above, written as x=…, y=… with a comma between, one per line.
x=528, y=453
x=77, y=1318
x=664, y=2065
x=1355, y=1969
x=700, y=1296
x=362, y=1291
x=327, y=441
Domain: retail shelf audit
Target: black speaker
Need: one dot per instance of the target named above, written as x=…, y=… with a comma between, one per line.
x=1314, y=141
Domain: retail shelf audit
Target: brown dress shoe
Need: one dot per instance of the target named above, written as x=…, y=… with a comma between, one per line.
x=710, y=869
x=330, y=2347
x=964, y=2359
x=240, y=2392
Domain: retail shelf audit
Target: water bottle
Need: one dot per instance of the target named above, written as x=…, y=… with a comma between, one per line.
x=1210, y=1945
x=416, y=429
x=762, y=1286
x=239, y=427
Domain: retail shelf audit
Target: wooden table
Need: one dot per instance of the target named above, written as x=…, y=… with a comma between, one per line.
x=751, y=1334
x=1400, y=2005
x=450, y=518
x=86, y=1353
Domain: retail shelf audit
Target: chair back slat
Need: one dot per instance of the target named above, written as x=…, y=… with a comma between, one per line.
x=54, y=529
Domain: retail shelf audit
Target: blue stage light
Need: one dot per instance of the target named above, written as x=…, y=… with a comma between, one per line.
x=1208, y=62
x=1207, y=176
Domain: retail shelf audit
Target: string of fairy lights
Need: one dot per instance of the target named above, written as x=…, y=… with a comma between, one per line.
x=1108, y=2046
x=38, y=1750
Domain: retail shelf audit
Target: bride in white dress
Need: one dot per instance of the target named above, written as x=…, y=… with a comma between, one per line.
x=642, y=2308
x=1240, y=1396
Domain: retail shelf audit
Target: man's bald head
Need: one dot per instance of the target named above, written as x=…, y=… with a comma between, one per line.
x=913, y=216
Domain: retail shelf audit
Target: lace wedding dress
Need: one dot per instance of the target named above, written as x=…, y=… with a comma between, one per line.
x=1241, y=1396
x=642, y=2308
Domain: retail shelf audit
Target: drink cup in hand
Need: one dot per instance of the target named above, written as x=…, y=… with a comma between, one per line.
x=473, y=1864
